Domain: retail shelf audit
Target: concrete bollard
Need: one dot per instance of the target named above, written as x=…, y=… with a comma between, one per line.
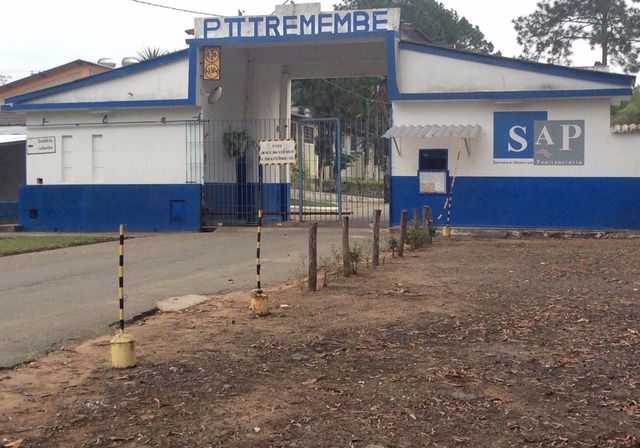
x=123, y=353
x=259, y=302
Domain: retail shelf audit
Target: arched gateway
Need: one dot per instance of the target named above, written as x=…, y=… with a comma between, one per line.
x=171, y=143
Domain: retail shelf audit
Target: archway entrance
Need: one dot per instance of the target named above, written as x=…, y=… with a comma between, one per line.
x=343, y=165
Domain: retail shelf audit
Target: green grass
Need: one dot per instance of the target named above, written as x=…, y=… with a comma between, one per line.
x=23, y=244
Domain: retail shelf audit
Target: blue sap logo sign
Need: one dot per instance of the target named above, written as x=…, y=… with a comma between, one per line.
x=513, y=134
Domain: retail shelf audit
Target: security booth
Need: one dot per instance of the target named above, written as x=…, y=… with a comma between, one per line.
x=488, y=141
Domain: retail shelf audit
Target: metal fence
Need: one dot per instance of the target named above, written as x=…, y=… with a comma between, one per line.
x=341, y=170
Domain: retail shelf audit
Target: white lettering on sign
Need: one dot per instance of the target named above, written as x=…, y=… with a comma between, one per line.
x=569, y=132
x=518, y=137
x=323, y=23
x=41, y=145
x=273, y=152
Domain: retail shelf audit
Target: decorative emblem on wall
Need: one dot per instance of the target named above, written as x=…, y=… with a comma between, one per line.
x=211, y=64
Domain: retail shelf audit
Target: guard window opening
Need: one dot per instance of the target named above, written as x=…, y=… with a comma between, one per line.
x=433, y=159
x=433, y=174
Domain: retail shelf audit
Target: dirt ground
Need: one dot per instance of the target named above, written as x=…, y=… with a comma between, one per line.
x=467, y=343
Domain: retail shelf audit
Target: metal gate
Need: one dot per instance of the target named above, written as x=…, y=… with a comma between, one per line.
x=342, y=169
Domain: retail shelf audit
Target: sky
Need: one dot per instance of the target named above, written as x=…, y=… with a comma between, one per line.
x=37, y=35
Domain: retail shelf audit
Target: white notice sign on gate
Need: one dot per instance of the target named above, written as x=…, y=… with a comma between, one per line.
x=275, y=152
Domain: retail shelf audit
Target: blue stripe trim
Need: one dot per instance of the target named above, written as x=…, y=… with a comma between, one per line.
x=91, y=80
x=549, y=69
x=521, y=202
x=514, y=94
x=290, y=38
x=123, y=104
x=115, y=73
x=392, y=77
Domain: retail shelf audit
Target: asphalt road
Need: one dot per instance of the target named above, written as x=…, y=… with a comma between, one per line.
x=49, y=299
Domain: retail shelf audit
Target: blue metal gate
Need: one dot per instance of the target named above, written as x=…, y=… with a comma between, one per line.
x=342, y=169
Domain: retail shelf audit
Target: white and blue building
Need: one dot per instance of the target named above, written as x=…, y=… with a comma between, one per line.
x=534, y=146
x=485, y=141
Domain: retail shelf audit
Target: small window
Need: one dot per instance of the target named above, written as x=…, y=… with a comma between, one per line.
x=432, y=171
x=433, y=159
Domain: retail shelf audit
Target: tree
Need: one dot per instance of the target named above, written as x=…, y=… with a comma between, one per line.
x=441, y=25
x=368, y=96
x=344, y=97
x=629, y=111
x=551, y=30
x=4, y=79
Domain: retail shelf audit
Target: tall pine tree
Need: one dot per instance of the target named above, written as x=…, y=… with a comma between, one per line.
x=548, y=34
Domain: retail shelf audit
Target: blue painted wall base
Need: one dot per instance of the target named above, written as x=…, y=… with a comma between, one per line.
x=530, y=202
x=231, y=203
x=102, y=208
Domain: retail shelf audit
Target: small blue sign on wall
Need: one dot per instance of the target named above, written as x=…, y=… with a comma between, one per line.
x=513, y=134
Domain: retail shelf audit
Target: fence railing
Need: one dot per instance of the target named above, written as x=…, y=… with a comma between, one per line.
x=341, y=168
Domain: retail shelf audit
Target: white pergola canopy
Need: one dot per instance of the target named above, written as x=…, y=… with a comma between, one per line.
x=433, y=131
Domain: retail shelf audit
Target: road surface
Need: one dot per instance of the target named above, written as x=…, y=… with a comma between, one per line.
x=49, y=299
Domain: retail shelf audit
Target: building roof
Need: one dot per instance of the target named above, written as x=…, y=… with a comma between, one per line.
x=12, y=119
x=57, y=75
x=13, y=138
x=18, y=101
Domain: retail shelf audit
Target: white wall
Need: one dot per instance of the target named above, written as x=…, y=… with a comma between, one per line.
x=255, y=86
x=166, y=81
x=120, y=152
x=606, y=154
x=425, y=73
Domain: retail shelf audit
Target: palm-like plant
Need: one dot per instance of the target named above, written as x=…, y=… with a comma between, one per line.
x=237, y=142
x=148, y=53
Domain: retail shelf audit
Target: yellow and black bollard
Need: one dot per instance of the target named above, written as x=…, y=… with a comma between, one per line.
x=259, y=298
x=123, y=353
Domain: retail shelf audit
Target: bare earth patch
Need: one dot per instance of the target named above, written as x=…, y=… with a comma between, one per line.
x=471, y=342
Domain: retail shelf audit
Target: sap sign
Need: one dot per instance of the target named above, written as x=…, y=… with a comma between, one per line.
x=513, y=134
x=529, y=135
x=559, y=142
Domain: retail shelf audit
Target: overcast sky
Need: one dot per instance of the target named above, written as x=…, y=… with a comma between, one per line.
x=37, y=35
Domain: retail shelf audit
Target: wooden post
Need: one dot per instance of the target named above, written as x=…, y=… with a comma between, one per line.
x=415, y=222
x=403, y=232
x=426, y=217
x=313, y=257
x=346, y=251
x=375, y=259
